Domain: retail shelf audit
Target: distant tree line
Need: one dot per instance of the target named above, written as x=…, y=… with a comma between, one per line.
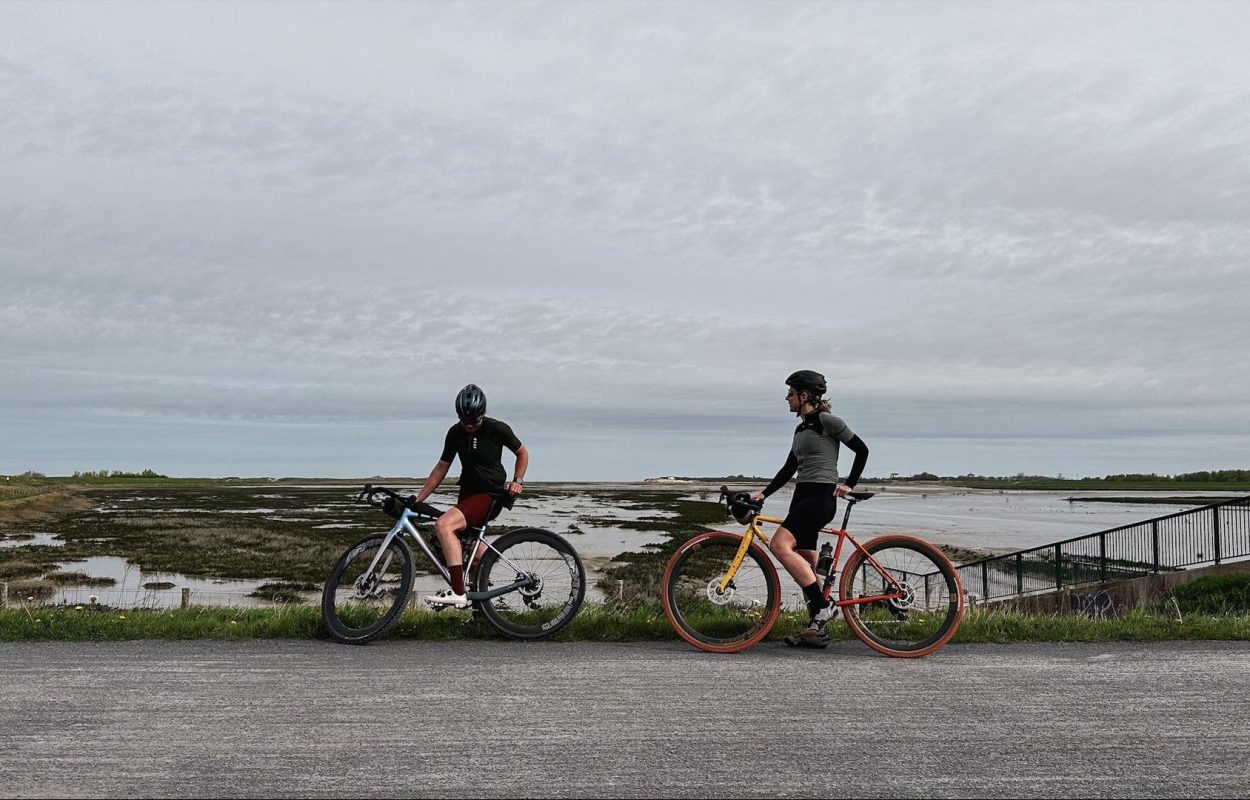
x=104, y=473
x=1203, y=476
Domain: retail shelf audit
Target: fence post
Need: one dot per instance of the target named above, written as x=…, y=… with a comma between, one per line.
x=186, y=597
x=1019, y=574
x=1102, y=558
x=1215, y=524
x=1058, y=567
x=4, y=594
x=985, y=580
x=1154, y=538
x=620, y=589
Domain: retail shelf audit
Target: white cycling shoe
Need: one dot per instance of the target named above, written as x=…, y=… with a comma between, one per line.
x=448, y=599
x=824, y=616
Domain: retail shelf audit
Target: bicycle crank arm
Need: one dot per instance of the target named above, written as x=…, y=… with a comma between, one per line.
x=494, y=593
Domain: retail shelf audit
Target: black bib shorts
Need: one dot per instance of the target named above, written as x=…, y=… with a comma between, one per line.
x=812, y=508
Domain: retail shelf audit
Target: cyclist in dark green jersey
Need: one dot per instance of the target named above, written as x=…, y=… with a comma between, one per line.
x=814, y=457
x=478, y=441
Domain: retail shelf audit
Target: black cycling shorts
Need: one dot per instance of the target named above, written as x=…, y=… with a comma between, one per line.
x=811, y=509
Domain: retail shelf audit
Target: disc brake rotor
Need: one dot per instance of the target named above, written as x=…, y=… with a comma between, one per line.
x=533, y=591
x=717, y=596
x=368, y=586
x=907, y=600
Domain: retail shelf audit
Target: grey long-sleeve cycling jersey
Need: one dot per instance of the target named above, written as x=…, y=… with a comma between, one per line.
x=814, y=454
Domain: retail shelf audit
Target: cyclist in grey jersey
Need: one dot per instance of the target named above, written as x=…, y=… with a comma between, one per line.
x=814, y=457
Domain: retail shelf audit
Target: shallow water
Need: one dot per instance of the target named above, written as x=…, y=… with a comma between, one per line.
x=991, y=520
x=976, y=519
x=130, y=592
x=39, y=540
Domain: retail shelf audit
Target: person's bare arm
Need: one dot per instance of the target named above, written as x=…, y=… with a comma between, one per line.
x=518, y=474
x=434, y=480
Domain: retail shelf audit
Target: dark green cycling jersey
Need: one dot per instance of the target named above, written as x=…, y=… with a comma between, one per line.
x=481, y=467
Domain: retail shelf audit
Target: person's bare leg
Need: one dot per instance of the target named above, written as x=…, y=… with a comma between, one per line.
x=800, y=563
x=797, y=562
x=448, y=528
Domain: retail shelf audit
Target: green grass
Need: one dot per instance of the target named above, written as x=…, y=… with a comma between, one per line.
x=1214, y=594
x=595, y=623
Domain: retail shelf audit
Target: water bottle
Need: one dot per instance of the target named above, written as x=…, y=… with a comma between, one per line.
x=824, y=565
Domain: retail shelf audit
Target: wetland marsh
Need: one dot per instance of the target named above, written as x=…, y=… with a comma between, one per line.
x=264, y=542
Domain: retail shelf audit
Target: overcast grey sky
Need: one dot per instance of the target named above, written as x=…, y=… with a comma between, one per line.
x=275, y=239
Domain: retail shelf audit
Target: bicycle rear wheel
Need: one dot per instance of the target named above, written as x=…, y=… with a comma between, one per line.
x=358, y=604
x=555, y=583
x=926, y=601
x=712, y=619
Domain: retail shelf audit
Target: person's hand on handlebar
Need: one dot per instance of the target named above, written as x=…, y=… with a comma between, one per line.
x=758, y=497
x=514, y=488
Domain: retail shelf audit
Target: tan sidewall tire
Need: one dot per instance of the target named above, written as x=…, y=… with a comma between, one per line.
x=844, y=593
x=769, y=570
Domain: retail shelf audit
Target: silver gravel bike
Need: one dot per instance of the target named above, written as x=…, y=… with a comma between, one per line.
x=528, y=583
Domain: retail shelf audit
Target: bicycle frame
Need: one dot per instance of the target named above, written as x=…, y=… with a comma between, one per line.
x=404, y=525
x=754, y=531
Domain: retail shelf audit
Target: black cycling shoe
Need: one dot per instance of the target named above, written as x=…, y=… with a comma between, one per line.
x=809, y=637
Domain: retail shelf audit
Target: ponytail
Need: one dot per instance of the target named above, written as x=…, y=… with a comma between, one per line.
x=820, y=404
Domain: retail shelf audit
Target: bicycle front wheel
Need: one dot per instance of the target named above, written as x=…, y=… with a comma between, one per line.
x=359, y=602
x=711, y=618
x=925, y=598
x=551, y=578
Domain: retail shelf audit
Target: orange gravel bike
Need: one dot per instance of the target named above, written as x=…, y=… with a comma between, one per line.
x=900, y=595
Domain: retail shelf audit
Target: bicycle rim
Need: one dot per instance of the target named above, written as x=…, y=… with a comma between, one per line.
x=928, y=604
x=712, y=619
x=554, y=590
x=358, y=605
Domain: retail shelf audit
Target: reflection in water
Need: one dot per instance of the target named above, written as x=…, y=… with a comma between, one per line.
x=129, y=591
x=38, y=540
x=977, y=519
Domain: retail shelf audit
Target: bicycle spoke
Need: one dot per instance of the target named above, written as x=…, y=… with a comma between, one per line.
x=920, y=605
x=718, y=617
x=358, y=602
x=553, y=590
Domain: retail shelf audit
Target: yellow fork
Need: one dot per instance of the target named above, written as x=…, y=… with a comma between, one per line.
x=753, y=530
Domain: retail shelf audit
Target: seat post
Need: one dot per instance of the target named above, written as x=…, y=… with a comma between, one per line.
x=850, y=503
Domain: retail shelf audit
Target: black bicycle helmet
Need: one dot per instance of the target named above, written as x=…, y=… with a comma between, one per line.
x=471, y=403
x=806, y=380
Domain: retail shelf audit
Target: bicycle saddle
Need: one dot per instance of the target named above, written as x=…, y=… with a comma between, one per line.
x=857, y=497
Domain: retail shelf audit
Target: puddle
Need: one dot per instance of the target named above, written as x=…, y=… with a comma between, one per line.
x=38, y=540
x=129, y=591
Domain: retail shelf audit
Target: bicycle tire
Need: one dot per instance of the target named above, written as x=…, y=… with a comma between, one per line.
x=342, y=629
x=945, y=614
x=698, y=622
x=520, y=617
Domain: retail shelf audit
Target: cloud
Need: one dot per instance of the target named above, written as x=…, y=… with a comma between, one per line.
x=628, y=215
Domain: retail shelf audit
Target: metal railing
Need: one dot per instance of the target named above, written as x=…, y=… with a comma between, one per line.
x=1209, y=534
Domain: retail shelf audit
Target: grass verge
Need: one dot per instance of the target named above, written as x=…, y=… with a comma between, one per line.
x=595, y=623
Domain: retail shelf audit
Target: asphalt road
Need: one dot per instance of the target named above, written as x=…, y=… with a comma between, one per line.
x=471, y=719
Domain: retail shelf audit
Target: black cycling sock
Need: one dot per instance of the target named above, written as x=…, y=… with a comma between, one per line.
x=815, y=597
x=457, y=578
